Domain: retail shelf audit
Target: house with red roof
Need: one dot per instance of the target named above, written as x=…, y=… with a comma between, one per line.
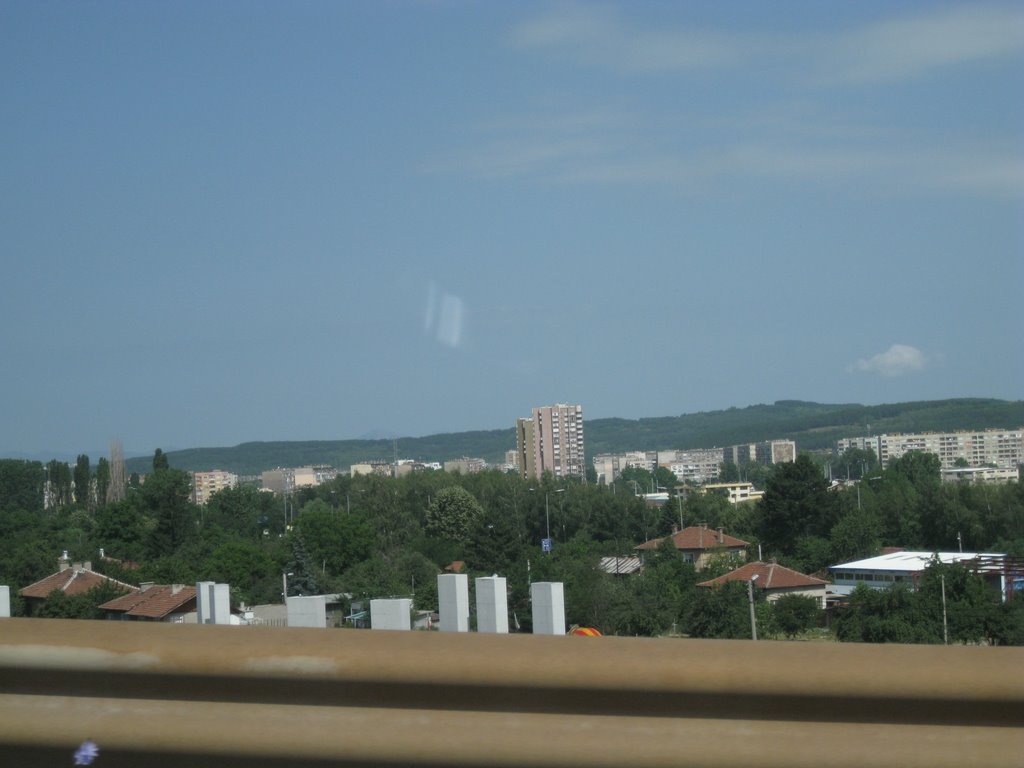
x=71, y=579
x=776, y=580
x=698, y=544
x=171, y=603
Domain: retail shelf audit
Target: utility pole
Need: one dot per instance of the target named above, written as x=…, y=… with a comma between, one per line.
x=945, y=626
x=750, y=598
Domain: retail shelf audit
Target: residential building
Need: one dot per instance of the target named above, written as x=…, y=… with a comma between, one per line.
x=735, y=492
x=697, y=465
x=512, y=460
x=465, y=465
x=171, y=603
x=768, y=452
x=409, y=466
x=985, y=475
x=609, y=466
x=284, y=480
x=205, y=484
x=377, y=467
x=999, y=448
x=776, y=580
x=278, y=480
x=698, y=544
x=71, y=579
x=551, y=441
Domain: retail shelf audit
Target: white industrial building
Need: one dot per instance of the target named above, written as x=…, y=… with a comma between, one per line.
x=899, y=567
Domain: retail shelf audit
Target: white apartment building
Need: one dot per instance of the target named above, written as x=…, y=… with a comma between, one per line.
x=608, y=466
x=551, y=440
x=1000, y=447
x=767, y=452
x=205, y=484
x=700, y=465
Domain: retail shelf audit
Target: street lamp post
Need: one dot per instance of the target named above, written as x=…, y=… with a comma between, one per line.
x=750, y=597
x=284, y=584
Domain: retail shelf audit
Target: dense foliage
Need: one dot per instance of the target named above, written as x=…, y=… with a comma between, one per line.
x=378, y=537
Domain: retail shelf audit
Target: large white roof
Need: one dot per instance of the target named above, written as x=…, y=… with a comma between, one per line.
x=907, y=562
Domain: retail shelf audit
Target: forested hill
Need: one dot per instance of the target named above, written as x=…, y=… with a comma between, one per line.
x=811, y=425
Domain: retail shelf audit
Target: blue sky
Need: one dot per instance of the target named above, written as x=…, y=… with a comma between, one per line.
x=223, y=222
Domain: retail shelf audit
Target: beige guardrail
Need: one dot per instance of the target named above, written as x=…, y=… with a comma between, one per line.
x=156, y=695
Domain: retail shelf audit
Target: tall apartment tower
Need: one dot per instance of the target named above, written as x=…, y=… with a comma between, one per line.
x=551, y=441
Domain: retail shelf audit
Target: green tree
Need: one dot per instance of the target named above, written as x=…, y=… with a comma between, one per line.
x=922, y=470
x=102, y=480
x=58, y=476
x=244, y=511
x=160, y=461
x=167, y=498
x=721, y=611
x=728, y=472
x=797, y=503
x=122, y=529
x=335, y=540
x=302, y=578
x=21, y=485
x=60, y=605
x=83, y=481
x=795, y=614
x=452, y=514
x=248, y=568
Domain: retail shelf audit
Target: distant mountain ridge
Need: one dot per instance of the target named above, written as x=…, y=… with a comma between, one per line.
x=811, y=425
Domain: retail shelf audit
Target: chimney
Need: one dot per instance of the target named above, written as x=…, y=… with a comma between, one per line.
x=675, y=529
x=87, y=565
x=102, y=556
x=721, y=535
x=63, y=562
x=176, y=588
x=145, y=585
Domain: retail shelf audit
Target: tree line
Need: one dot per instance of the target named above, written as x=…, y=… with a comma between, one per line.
x=372, y=536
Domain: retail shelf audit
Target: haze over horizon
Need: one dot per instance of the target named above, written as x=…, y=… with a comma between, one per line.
x=236, y=222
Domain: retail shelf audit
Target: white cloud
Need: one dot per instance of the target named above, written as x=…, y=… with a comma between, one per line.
x=899, y=49
x=599, y=36
x=886, y=50
x=897, y=360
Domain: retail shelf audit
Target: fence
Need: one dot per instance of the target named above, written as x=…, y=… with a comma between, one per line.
x=192, y=695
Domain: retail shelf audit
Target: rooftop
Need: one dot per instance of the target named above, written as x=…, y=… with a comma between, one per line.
x=908, y=562
x=769, y=576
x=76, y=580
x=155, y=602
x=697, y=537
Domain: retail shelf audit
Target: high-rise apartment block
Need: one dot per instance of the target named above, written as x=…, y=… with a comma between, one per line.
x=551, y=441
x=999, y=447
x=205, y=484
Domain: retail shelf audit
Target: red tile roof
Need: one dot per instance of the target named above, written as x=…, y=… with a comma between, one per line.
x=698, y=537
x=156, y=602
x=769, y=576
x=71, y=581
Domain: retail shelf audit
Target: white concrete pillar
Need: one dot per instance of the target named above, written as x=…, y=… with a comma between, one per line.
x=395, y=613
x=548, y=601
x=453, y=602
x=307, y=611
x=220, y=603
x=203, y=601
x=5, y=602
x=491, y=605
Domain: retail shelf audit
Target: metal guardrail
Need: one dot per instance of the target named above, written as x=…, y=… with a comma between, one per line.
x=188, y=695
